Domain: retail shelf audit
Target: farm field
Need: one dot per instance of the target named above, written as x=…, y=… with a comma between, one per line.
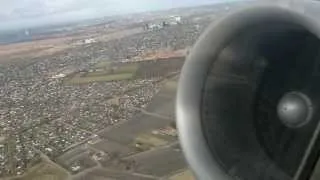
x=106, y=71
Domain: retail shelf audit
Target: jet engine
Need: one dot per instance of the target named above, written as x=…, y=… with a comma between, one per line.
x=248, y=100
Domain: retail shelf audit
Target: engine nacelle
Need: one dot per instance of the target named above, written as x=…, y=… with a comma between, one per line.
x=248, y=97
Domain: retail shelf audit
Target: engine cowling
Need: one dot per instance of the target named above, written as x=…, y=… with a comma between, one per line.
x=248, y=97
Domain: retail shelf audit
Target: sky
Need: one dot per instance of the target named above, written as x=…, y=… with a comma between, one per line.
x=28, y=13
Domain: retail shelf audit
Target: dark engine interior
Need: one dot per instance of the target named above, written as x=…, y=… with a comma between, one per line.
x=239, y=113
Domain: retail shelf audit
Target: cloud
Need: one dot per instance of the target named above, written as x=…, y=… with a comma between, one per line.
x=24, y=13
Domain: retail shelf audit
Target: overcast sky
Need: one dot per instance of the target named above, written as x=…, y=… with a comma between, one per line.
x=24, y=13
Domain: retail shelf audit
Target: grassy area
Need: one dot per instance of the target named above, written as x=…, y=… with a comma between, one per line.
x=185, y=175
x=150, y=140
x=103, y=64
x=97, y=73
x=146, y=141
x=171, y=85
x=122, y=67
x=127, y=68
x=44, y=171
x=112, y=77
x=105, y=71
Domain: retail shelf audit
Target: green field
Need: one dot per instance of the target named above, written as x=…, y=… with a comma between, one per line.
x=97, y=73
x=103, y=64
x=171, y=85
x=129, y=68
x=90, y=79
x=123, y=69
x=109, y=64
x=103, y=72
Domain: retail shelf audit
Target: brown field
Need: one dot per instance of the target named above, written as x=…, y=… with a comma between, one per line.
x=14, y=53
x=106, y=174
x=52, y=45
x=34, y=49
x=120, y=34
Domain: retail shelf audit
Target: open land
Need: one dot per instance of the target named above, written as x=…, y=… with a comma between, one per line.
x=184, y=175
x=44, y=171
